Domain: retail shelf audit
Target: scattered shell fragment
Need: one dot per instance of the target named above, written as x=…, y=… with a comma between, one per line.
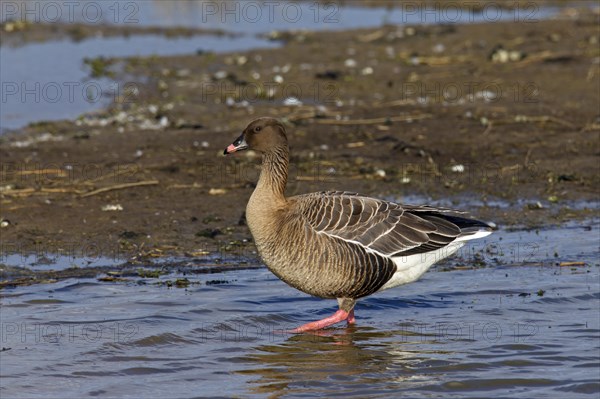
x=486, y=95
x=44, y=137
x=112, y=208
x=220, y=75
x=367, y=71
x=217, y=191
x=350, y=63
x=439, y=48
x=502, y=56
x=292, y=101
x=270, y=93
x=164, y=121
x=356, y=144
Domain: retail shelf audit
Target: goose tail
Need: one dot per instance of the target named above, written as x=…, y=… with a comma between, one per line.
x=470, y=229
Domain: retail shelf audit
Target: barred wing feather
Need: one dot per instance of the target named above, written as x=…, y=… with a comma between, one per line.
x=383, y=227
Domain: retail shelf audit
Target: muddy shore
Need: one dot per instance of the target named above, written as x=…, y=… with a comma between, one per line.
x=500, y=119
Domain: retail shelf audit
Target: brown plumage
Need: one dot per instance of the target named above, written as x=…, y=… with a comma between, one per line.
x=337, y=244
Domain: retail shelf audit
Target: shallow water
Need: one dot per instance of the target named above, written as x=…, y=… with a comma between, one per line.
x=464, y=333
x=61, y=87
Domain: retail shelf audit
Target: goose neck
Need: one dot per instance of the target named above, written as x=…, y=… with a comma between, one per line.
x=274, y=173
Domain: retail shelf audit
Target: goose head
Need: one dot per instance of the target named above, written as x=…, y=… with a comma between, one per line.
x=261, y=135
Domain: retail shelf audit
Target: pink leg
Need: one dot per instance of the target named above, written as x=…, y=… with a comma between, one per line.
x=338, y=316
x=351, y=319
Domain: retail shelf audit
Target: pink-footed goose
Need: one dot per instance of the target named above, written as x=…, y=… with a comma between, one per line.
x=337, y=244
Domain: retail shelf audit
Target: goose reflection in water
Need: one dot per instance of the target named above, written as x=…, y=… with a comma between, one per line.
x=339, y=362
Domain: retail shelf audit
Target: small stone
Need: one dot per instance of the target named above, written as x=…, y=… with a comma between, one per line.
x=500, y=56
x=220, y=75
x=439, y=48
x=535, y=206
x=217, y=191
x=367, y=71
x=112, y=208
x=515, y=55
x=380, y=173
x=486, y=95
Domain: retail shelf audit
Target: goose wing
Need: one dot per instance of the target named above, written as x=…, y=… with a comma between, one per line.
x=383, y=227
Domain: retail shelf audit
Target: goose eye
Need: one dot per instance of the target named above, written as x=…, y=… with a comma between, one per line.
x=257, y=129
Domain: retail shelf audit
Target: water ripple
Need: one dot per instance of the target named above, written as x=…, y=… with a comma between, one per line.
x=422, y=340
